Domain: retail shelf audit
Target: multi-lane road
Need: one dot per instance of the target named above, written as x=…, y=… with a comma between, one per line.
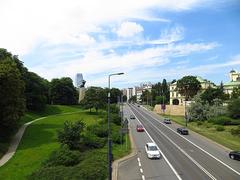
x=190, y=157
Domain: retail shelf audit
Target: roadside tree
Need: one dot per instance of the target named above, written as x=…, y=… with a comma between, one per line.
x=188, y=86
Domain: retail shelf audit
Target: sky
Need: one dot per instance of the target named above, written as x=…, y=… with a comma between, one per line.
x=148, y=40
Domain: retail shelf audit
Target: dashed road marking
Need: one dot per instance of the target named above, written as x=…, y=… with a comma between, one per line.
x=141, y=170
x=143, y=177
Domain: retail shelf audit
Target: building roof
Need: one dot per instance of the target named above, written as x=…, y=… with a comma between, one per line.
x=232, y=83
x=232, y=71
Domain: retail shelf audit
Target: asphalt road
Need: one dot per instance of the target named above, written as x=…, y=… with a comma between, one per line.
x=192, y=157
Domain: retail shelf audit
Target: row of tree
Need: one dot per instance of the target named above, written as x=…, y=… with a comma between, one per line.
x=159, y=94
x=22, y=90
x=96, y=97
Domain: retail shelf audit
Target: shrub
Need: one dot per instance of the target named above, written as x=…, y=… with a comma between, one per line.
x=234, y=108
x=220, y=128
x=92, y=168
x=92, y=141
x=235, y=131
x=221, y=120
x=116, y=119
x=49, y=173
x=63, y=157
x=116, y=137
x=100, y=130
x=71, y=135
x=199, y=123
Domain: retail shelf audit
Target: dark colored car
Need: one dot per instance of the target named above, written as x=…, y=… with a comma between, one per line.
x=132, y=116
x=139, y=128
x=235, y=155
x=167, y=121
x=182, y=130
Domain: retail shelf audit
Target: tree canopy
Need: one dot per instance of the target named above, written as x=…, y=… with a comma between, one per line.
x=12, y=101
x=62, y=91
x=188, y=86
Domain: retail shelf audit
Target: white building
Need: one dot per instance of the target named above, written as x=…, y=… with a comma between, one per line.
x=234, y=82
x=129, y=93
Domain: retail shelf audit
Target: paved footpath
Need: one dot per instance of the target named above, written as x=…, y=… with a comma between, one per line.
x=17, y=138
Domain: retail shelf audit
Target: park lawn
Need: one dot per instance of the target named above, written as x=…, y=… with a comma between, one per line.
x=49, y=110
x=39, y=140
x=31, y=115
x=208, y=130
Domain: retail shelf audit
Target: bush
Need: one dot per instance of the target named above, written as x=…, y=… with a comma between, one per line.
x=63, y=157
x=116, y=119
x=220, y=128
x=71, y=135
x=116, y=137
x=235, y=131
x=50, y=173
x=92, y=141
x=221, y=120
x=199, y=123
x=234, y=108
x=98, y=130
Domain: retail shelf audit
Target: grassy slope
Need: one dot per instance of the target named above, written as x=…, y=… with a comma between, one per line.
x=40, y=140
x=209, y=130
x=29, y=116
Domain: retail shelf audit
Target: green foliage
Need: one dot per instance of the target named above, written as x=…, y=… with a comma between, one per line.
x=36, y=92
x=234, y=108
x=62, y=91
x=94, y=167
x=221, y=120
x=95, y=97
x=115, y=93
x=160, y=100
x=133, y=99
x=197, y=110
x=50, y=173
x=216, y=109
x=124, y=98
x=100, y=130
x=212, y=93
x=12, y=101
x=188, y=86
x=220, y=128
x=93, y=141
x=235, y=131
x=236, y=93
x=116, y=119
x=63, y=157
x=71, y=135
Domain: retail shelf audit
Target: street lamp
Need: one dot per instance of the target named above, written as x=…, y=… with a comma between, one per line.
x=109, y=130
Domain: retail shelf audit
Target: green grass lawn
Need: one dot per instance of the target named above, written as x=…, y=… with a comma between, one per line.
x=31, y=115
x=39, y=140
x=49, y=110
x=208, y=130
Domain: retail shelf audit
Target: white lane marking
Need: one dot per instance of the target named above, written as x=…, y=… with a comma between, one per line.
x=196, y=145
x=139, y=164
x=195, y=162
x=141, y=170
x=138, y=159
x=143, y=177
x=170, y=165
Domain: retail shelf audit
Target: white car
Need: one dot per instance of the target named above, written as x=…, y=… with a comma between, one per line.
x=152, y=151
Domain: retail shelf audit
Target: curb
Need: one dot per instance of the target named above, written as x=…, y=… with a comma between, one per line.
x=116, y=163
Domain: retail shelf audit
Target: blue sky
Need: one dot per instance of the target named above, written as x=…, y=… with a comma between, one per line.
x=148, y=40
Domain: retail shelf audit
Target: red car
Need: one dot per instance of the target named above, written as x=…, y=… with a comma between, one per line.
x=139, y=128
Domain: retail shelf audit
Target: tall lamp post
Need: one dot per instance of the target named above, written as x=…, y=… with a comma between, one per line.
x=109, y=130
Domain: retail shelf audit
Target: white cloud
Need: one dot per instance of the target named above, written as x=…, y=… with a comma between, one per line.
x=129, y=29
x=27, y=22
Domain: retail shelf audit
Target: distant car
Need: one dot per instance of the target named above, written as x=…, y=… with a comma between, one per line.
x=139, y=128
x=138, y=105
x=235, y=155
x=182, y=130
x=167, y=121
x=152, y=151
x=132, y=116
